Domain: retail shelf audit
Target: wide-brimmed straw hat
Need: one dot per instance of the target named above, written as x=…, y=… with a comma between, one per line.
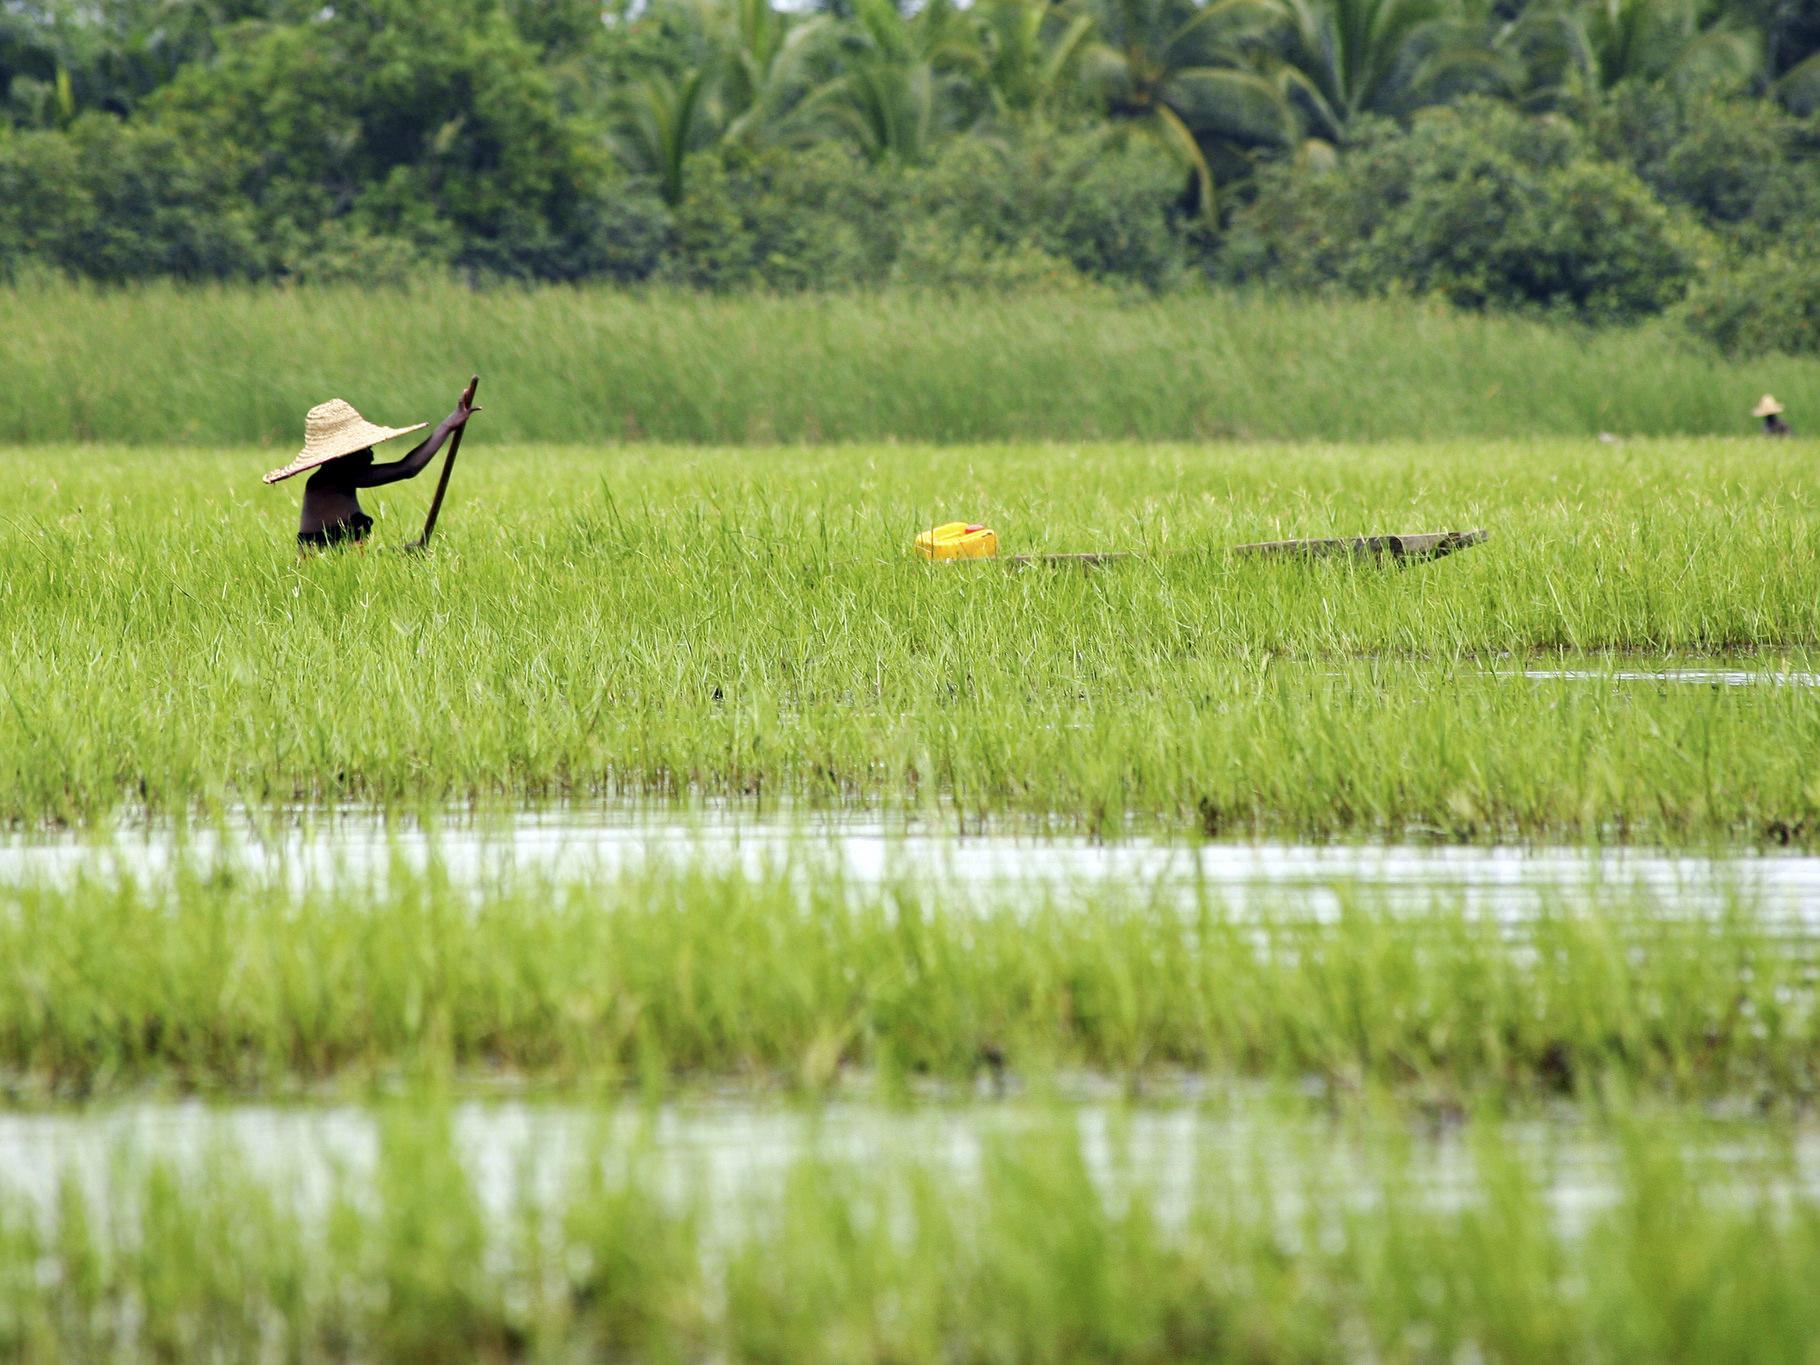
x=1767, y=406
x=334, y=429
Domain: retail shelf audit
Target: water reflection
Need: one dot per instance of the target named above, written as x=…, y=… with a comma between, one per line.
x=731, y=1151
x=1707, y=677
x=1314, y=880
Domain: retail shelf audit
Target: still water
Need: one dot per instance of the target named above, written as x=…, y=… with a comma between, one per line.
x=361, y=849
x=730, y=1155
x=739, y=1147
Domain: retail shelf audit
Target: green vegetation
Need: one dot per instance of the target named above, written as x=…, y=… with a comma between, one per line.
x=162, y=365
x=220, y=979
x=1599, y=159
x=1487, y=209
x=829, y=275
x=1264, y=1254
x=676, y=625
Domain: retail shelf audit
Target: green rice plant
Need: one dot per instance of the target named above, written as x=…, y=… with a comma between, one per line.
x=166, y=364
x=660, y=624
x=218, y=979
x=1339, y=1249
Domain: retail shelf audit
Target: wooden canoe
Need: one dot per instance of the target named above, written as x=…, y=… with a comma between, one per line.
x=1425, y=545
x=1403, y=549
x=1087, y=559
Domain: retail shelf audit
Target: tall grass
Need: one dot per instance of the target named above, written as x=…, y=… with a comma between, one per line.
x=216, y=979
x=164, y=364
x=896, y=1259
x=660, y=623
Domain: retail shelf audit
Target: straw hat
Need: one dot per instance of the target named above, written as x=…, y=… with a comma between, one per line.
x=334, y=429
x=1767, y=406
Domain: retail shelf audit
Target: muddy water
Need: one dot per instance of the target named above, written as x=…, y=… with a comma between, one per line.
x=361, y=849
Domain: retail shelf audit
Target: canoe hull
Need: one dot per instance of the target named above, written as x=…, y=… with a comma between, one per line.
x=1418, y=546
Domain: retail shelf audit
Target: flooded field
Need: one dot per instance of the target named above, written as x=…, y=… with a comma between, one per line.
x=673, y=923
x=734, y=1153
x=720, y=1230
x=355, y=848
x=1693, y=677
x=807, y=953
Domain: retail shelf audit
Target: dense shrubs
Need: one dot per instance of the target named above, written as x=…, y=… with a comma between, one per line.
x=117, y=202
x=432, y=124
x=818, y=217
x=1479, y=204
x=1766, y=303
x=1015, y=145
x=1746, y=168
x=1039, y=210
x=1108, y=208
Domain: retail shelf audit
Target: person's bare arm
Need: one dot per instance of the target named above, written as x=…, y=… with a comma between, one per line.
x=412, y=465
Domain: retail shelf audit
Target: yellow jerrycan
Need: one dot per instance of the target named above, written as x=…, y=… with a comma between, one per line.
x=958, y=540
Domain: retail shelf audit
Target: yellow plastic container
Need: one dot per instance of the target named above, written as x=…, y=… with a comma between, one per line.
x=958, y=540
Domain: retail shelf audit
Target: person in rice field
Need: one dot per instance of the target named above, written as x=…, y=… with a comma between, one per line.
x=1771, y=412
x=338, y=444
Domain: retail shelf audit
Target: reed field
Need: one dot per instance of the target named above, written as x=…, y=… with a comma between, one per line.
x=667, y=624
x=1269, y=1248
x=164, y=365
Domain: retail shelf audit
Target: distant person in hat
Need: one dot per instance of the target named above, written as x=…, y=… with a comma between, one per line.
x=338, y=444
x=1771, y=412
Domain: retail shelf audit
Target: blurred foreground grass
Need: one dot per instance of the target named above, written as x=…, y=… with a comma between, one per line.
x=1261, y=1249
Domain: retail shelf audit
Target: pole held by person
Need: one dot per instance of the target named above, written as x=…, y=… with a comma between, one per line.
x=338, y=445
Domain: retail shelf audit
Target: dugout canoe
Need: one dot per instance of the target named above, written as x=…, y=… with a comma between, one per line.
x=1086, y=559
x=1409, y=548
x=1419, y=546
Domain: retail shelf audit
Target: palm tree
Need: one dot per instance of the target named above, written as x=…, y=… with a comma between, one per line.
x=1525, y=48
x=1032, y=52
x=751, y=79
x=765, y=65
x=1193, y=77
x=901, y=79
x=1345, y=58
x=1677, y=41
x=1791, y=50
x=660, y=122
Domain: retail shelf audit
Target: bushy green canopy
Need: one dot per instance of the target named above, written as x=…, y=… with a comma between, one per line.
x=731, y=144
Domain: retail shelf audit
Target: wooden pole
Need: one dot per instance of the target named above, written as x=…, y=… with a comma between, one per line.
x=442, y=484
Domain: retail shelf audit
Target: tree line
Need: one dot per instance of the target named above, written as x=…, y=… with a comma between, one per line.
x=1605, y=159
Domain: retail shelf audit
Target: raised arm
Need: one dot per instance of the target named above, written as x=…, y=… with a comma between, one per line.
x=412, y=465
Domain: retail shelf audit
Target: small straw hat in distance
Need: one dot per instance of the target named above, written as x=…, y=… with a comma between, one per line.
x=1767, y=406
x=334, y=429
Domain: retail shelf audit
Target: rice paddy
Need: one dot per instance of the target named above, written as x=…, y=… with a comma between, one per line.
x=664, y=624
x=272, y=838
x=229, y=982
